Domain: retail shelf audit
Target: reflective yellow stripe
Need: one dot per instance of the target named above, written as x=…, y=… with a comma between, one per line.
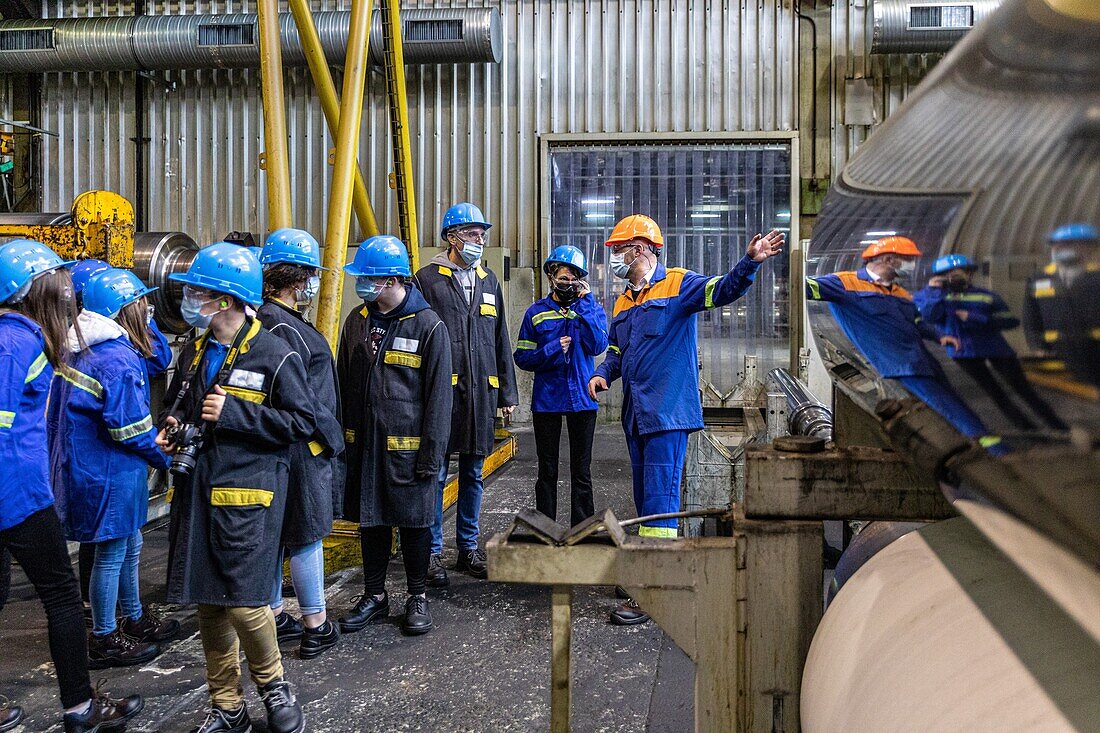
x=405, y=318
x=36, y=368
x=397, y=442
x=81, y=381
x=349, y=436
x=970, y=297
x=1095, y=334
x=403, y=358
x=988, y=441
x=454, y=379
x=445, y=271
x=316, y=448
x=241, y=497
x=6, y=418
x=169, y=494
x=1044, y=292
x=488, y=310
x=525, y=345
x=708, y=297
x=614, y=349
x=815, y=289
x=133, y=429
x=494, y=381
x=248, y=395
x=1050, y=336
x=645, y=531
x=546, y=316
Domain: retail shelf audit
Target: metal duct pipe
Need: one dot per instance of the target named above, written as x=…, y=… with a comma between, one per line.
x=904, y=26
x=806, y=415
x=156, y=256
x=163, y=42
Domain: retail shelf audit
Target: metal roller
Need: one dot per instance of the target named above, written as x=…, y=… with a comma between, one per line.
x=156, y=256
x=806, y=415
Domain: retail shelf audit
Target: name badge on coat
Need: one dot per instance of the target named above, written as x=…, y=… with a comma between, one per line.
x=489, y=298
x=246, y=379
x=404, y=344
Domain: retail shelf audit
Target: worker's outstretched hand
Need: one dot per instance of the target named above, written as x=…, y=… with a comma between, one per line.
x=596, y=385
x=767, y=245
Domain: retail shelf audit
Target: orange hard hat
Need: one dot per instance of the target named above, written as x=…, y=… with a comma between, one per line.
x=892, y=245
x=636, y=226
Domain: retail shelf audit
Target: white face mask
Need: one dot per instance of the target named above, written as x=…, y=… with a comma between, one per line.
x=305, y=295
x=471, y=252
x=619, y=268
x=906, y=268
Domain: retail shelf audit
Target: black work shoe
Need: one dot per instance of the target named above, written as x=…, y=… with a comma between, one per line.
x=287, y=628
x=629, y=614
x=473, y=562
x=366, y=611
x=316, y=641
x=621, y=593
x=418, y=618
x=10, y=715
x=116, y=649
x=150, y=628
x=226, y=721
x=105, y=714
x=284, y=712
x=437, y=574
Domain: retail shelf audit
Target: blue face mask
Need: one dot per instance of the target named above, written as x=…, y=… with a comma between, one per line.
x=368, y=290
x=306, y=295
x=471, y=252
x=191, y=310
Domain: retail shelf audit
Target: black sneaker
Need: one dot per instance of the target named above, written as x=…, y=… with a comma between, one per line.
x=366, y=611
x=287, y=628
x=226, y=721
x=629, y=614
x=319, y=640
x=437, y=574
x=418, y=618
x=473, y=562
x=151, y=628
x=118, y=650
x=284, y=713
x=10, y=715
x=105, y=714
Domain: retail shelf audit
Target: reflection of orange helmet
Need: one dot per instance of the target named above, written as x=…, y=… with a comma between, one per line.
x=636, y=226
x=892, y=245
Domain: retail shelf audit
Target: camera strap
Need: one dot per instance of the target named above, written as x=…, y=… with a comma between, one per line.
x=246, y=330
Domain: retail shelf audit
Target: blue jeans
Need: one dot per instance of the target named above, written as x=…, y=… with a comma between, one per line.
x=115, y=581
x=657, y=467
x=307, y=572
x=470, y=489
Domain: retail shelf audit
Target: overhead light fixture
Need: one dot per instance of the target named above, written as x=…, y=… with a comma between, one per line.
x=598, y=215
x=705, y=216
x=597, y=201
x=783, y=215
x=889, y=233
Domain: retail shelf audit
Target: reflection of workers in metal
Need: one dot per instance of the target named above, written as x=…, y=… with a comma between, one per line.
x=395, y=382
x=879, y=317
x=1061, y=314
x=558, y=339
x=954, y=306
x=653, y=348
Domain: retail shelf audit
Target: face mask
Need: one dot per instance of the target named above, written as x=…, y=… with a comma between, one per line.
x=905, y=269
x=306, y=295
x=566, y=294
x=149, y=310
x=471, y=252
x=619, y=268
x=191, y=310
x=368, y=290
x=1064, y=256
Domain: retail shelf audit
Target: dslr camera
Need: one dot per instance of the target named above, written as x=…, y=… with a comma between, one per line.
x=187, y=438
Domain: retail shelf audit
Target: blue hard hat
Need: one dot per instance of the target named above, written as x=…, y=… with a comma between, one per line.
x=293, y=246
x=460, y=215
x=951, y=262
x=84, y=270
x=110, y=290
x=226, y=268
x=380, y=256
x=567, y=254
x=22, y=260
x=1077, y=232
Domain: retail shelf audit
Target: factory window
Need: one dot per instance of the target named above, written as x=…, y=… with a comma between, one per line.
x=941, y=17
x=433, y=30
x=709, y=200
x=35, y=39
x=237, y=34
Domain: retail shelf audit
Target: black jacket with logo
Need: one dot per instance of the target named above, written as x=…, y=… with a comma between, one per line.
x=483, y=375
x=396, y=409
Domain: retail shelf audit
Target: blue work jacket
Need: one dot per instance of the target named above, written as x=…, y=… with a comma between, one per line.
x=652, y=345
x=102, y=436
x=881, y=320
x=158, y=362
x=987, y=315
x=25, y=376
x=561, y=379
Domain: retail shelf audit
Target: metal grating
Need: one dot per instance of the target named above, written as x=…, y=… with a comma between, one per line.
x=941, y=17
x=239, y=34
x=36, y=39
x=433, y=30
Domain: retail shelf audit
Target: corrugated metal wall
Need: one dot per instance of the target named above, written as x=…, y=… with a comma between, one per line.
x=607, y=66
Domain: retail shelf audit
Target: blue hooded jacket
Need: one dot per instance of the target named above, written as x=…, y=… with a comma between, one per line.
x=561, y=379
x=987, y=315
x=25, y=376
x=102, y=435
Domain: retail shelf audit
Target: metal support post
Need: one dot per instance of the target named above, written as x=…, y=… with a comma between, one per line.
x=330, y=104
x=275, y=159
x=561, y=630
x=347, y=152
x=399, y=127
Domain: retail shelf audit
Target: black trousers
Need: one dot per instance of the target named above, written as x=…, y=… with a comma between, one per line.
x=582, y=426
x=416, y=551
x=1013, y=374
x=85, y=563
x=38, y=545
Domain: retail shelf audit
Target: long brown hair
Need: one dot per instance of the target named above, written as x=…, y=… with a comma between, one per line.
x=132, y=319
x=51, y=305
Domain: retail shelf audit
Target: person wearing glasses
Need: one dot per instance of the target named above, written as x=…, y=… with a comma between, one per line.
x=466, y=295
x=558, y=341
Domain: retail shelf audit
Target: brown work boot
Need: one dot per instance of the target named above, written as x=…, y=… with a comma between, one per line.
x=104, y=713
x=151, y=628
x=116, y=649
x=629, y=614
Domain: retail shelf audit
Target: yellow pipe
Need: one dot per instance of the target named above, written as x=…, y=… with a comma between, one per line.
x=347, y=152
x=277, y=164
x=399, y=128
x=330, y=104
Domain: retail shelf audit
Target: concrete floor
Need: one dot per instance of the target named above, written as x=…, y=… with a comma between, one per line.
x=484, y=668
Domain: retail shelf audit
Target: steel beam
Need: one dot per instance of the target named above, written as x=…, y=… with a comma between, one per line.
x=276, y=160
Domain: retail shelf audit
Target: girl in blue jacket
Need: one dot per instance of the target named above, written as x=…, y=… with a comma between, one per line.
x=101, y=445
x=35, y=306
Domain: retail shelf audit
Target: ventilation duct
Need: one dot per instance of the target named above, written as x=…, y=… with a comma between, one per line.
x=163, y=42
x=905, y=26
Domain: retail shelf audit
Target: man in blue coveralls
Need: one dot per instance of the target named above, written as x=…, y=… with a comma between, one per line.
x=652, y=346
